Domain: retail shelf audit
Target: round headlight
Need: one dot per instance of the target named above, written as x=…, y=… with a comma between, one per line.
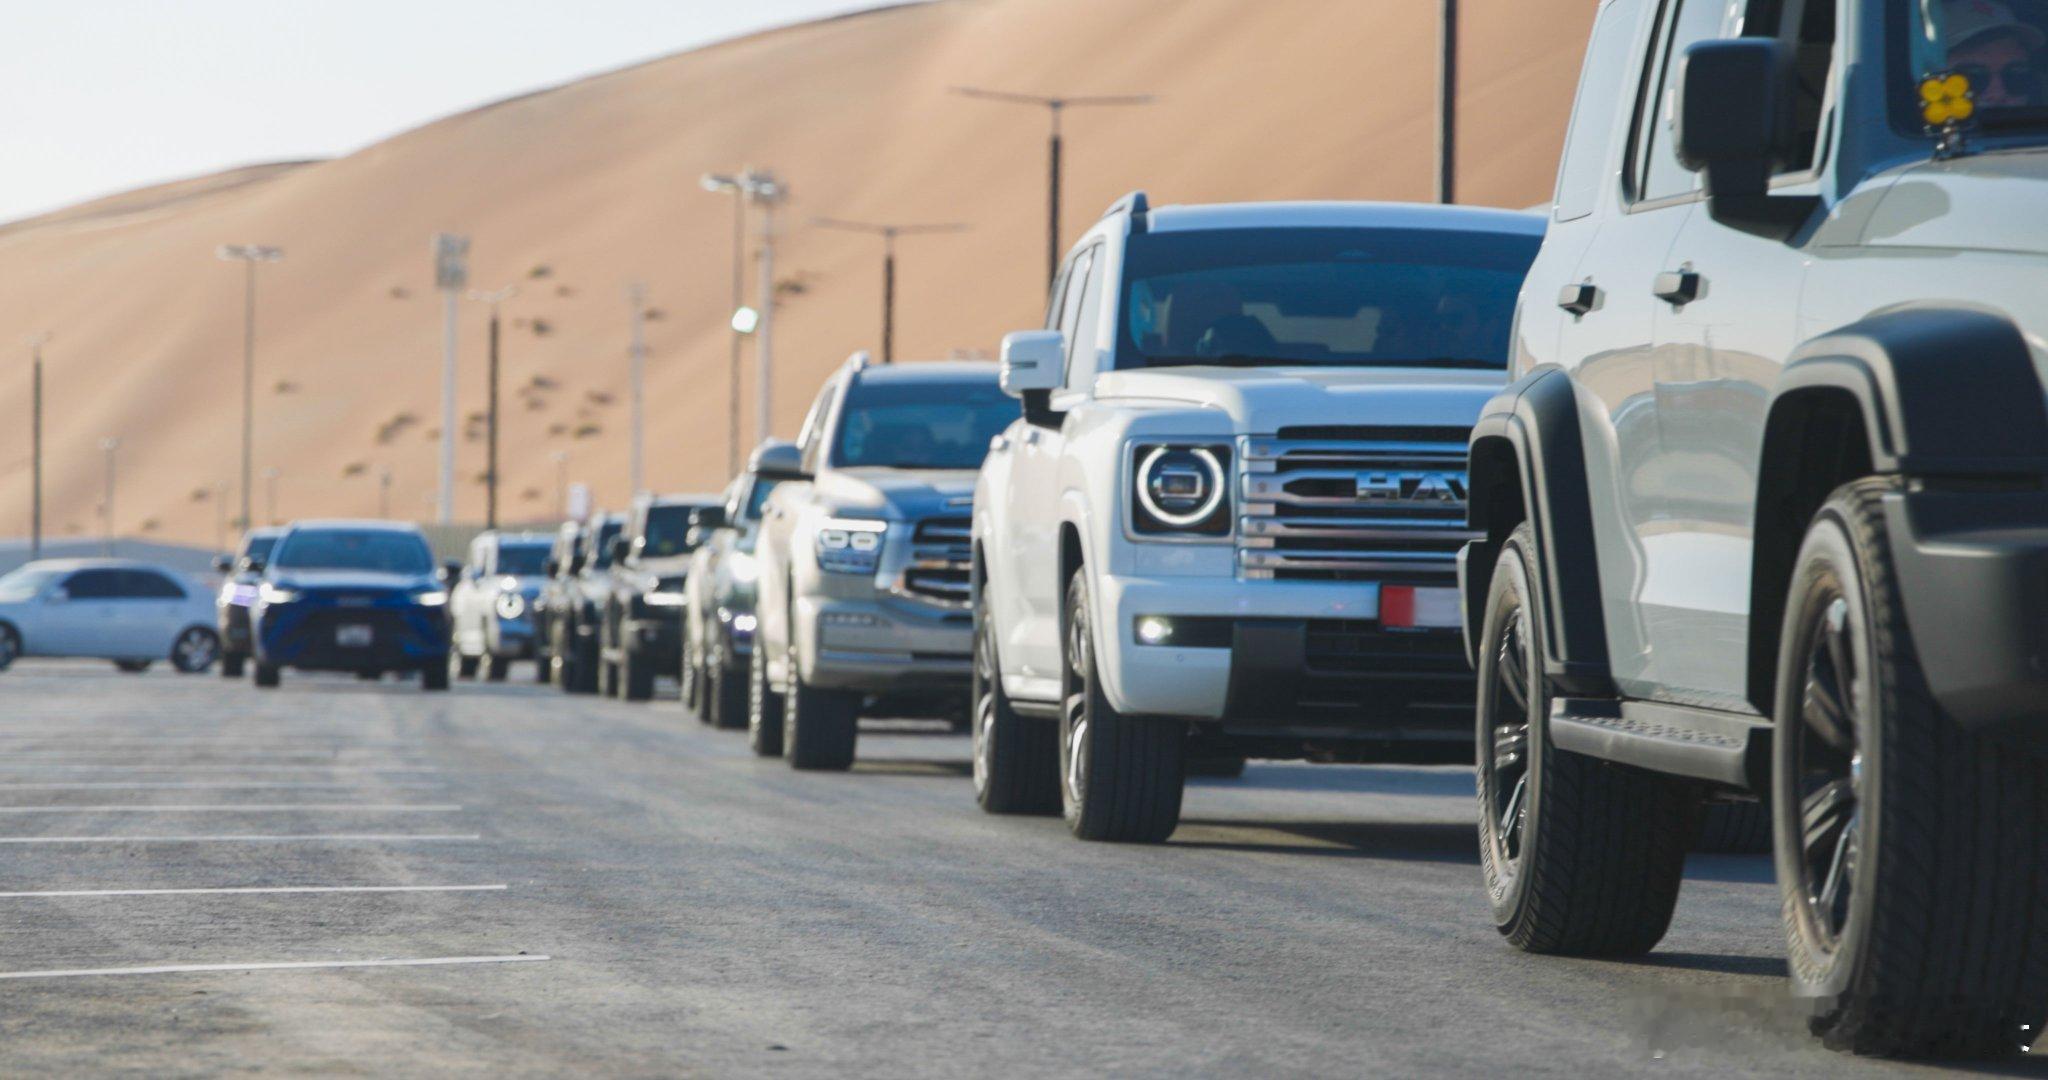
x=511, y=605
x=1180, y=486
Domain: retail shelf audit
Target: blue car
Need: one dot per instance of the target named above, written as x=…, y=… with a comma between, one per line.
x=356, y=596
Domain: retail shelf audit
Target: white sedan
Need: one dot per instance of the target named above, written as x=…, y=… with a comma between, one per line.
x=109, y=609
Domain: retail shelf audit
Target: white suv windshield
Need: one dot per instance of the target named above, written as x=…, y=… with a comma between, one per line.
x=1325, y=297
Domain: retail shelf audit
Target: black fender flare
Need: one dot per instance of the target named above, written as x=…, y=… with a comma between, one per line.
x=1941, y=390
x=1527, y=461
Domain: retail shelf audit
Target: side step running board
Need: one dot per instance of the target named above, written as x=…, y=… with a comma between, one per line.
x=1726, y=748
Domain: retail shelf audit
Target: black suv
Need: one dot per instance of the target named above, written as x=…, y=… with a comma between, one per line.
x=642, y=626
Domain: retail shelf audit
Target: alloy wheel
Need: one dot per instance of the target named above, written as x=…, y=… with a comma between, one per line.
x=195, y=650
x=1828, y=768
x=1080, y=664
x=1507, y=771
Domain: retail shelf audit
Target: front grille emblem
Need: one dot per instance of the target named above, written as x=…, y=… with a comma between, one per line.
x=1442, y=487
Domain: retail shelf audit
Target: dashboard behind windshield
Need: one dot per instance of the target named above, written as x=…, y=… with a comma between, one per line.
x=1321, y=296
x=376, y=551
x=668, y=528
x=921, y=424
x=1998, y=45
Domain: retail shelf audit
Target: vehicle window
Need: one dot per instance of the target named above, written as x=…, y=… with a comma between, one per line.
x=24, y=583
x=1591, y=134
x=666, y=530
x=96, y=585
x=1070, y=305
x=810, y=435
x=376, y=551
x=1998, y=45
x=605, y=534
x=258, y=547
x=150, y=585
x=522, y=560
x=1326, y=297
x=921, y=423
x=1055, y=299
x=1809, y=27
x=757, y=497
x=1661, y=175
x=1082, y=355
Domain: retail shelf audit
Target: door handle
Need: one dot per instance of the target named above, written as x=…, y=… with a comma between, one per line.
x=1677, y=287
x=1579, y=297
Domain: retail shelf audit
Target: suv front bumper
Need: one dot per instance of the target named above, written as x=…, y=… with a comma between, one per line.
x=883, y=645
x=1308, y=655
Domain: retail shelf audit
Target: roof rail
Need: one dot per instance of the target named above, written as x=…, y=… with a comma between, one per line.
x=858, y=361
x=1134, y=204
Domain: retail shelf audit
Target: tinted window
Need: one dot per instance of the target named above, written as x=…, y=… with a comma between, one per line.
x=1662, y=175
x=758, y=497
x=921, y=424
x=258, y=547
x=605, y=534
x=1999, y=45
x=522, y=560
x=374, y=550
x=150, y=585
x=1082, y=356
x=96, y=585
x=666, y=528
x=1586, y=145
x=1344, y=297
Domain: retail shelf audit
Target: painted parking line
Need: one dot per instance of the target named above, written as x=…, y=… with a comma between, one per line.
x=210, y=766
x=210, y=785
x=236, y=808
x=266, y=890
x=238, y=839
x=308, y=965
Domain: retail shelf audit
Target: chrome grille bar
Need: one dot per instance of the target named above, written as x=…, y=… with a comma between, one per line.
x=1336, y=509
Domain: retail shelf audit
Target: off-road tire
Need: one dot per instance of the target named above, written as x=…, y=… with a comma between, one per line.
x=764, y=709
x=1595, y=865
x=1734, y=828
x=434, y=677
x=1942, y=945
x=1121, y=777
x=496, y=667
x=267, y=675
x=464, y=666
x=635, y=675
x=820, y=727
x=1016, y=758
x=231, y=665
x=725, y=696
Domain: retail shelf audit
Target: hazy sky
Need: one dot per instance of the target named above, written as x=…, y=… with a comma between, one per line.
x=104, y=95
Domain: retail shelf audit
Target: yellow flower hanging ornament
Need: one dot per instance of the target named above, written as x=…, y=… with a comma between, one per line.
x=1947, y=103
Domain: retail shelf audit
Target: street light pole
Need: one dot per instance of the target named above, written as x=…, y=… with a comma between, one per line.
x=1447, y=105
x=451, y=273
x=107, y=501
x=248, y=255
x=636, y=294
x=1055, y=106
x=888, y=233
x=715, y=182
x=35, y=443
x=491, y=416
x=762, y=187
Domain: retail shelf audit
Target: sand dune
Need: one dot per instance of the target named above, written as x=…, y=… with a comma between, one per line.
x=574, y=191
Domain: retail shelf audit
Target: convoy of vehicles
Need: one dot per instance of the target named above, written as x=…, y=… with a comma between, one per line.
x=1709, y=508
x=131, y=613
x=1763, y=513
x=640, y=633
x=863, y=602
x=492, y=609
x=1226, y=521
x=718, y=606
x=355, y=596
x=237, y=594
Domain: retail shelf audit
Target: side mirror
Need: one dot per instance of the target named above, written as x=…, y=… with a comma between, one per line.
x=778, y=460
x=1734, y=127
x=707, y=518
x=255, y=564
x=1032, y=362
x=223, y=563
x=450, y=571
x=621, y=549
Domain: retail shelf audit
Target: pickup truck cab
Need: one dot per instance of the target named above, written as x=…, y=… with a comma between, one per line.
x=1765, y=511
x=1226, y=521
x=642, y=629
x=718, y=608
x=862, y=598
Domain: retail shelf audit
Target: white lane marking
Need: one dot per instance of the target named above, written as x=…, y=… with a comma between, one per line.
x=210, y=766
x=304, y=965
x=212, y=785
x=255, y=889
x=232, y=839
x=235, y=808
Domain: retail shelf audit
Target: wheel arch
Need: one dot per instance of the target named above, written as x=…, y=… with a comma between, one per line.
x=1924, y=390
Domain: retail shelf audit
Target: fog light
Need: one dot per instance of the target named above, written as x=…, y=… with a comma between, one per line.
x=1153, y=630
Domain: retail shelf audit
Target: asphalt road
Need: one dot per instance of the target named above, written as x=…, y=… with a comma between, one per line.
x=702, y=912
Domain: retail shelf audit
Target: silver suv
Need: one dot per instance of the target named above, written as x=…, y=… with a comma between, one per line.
x=863, y=597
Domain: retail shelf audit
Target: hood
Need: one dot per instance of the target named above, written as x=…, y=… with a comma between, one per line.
x=1260, y=401
x=351, y=579
x=1982, y=202
x=903, y=494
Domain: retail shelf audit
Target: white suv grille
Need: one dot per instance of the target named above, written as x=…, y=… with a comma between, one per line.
x=941, y=555
x=1352, y=504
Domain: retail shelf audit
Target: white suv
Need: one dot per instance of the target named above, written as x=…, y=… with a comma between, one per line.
x=1227, y=522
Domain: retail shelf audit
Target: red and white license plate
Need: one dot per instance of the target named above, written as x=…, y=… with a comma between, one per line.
x=1408, y=607
x=354, y=636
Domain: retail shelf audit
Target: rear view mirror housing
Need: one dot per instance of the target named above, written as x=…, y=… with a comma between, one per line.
x=451, y=571
x=223, y=563
x=1734, y=127
x=777, y=460
x=1033, y=364
x=621, y=549
x=255, y=564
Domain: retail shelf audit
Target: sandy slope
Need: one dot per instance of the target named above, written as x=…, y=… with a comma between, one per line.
x=574, y=191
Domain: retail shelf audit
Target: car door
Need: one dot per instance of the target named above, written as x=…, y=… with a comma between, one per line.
x=1031, y=519
x=1732, y=315
x=153, y=612
x=1611, y=338
x=778, y=522
x=87, y=620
